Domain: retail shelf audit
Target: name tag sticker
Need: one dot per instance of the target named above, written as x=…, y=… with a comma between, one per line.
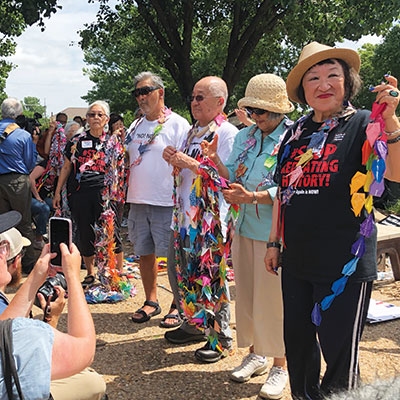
x=87, y=144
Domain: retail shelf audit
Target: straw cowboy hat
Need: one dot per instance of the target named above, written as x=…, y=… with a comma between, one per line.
x=312, y=54
x=268, y=92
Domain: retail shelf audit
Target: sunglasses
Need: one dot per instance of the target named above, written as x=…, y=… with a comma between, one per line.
x=144, y=91
x=5, y=248
x=200, y=97
x=257, y=111
x=93, y=114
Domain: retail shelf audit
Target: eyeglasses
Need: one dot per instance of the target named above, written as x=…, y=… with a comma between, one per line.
x=93, y=114
x=257, y=111
x=144, y=91
x=5, y=248
x=200, y=97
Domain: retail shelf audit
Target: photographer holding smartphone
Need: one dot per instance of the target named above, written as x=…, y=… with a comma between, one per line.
x=46, y=354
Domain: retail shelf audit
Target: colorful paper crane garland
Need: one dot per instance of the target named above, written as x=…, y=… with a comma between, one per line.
x=203, y=285
x=374, y=154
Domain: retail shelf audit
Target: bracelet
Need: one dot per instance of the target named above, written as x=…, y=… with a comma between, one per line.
x=218, y=163
x=395, y=140
x=392, y=133
x=277, y=245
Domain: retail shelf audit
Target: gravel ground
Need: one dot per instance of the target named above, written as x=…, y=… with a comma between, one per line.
x=137, y=362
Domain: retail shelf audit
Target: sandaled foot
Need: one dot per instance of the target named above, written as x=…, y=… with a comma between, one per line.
x=89, y=280
x=141, y=315
x=172, y=319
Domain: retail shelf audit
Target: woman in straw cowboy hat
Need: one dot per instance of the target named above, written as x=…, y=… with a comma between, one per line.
x=250, y=168
x=330, y=165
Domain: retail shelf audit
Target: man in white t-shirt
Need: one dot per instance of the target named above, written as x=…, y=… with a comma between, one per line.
x=208, y=100
x=150, y=183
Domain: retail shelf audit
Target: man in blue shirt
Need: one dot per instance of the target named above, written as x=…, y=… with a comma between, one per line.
x=18, y=156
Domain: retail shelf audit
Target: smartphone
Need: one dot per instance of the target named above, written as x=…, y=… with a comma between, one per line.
x=60, y=232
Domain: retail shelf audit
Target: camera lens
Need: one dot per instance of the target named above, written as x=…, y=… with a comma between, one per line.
x=47, y=289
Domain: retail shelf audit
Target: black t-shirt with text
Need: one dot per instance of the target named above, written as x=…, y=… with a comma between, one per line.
x=319, y=224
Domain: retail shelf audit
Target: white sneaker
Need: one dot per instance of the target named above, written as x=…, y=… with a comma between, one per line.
x=251, y=365
x=275, y=384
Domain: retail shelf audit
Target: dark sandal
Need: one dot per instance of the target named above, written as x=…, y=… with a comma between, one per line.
x=88, y=280
x=145, y=317
x=178, y=321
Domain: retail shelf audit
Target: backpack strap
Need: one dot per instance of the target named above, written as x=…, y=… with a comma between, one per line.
x=10, y=128
x=7, y=359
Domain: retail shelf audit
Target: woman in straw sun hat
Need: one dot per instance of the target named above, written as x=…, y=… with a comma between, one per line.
x=250, y=168
x=330, y=165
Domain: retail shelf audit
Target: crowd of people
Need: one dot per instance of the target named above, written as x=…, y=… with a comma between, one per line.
x=289, y=202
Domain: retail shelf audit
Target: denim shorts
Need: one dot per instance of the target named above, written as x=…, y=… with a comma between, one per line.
x=149, y=229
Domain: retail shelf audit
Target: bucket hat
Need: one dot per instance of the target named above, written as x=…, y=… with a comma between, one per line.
x=268, y=92
x=312, y=54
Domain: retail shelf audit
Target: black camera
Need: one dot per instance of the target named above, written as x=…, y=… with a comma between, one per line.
x=30, y=124
x=47, y=289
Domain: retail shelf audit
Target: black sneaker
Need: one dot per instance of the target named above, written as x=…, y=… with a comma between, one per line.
x=179, y=336
x=207, y=355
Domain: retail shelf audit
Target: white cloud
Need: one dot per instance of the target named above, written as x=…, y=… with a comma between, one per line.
x=373, y=39
x=48, y=66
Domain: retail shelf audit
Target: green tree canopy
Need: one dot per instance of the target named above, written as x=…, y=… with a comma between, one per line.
x=376, y=61
x=32, y=105
x=235, y=39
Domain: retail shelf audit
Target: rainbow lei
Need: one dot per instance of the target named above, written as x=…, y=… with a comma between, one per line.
x=202, y=286
x=53, y=168
x=374, y=154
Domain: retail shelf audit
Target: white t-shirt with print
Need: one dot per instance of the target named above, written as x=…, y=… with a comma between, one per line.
x=151, y=182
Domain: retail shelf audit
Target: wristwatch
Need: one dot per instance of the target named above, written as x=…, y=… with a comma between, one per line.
x=274, y=244
x=254, y=198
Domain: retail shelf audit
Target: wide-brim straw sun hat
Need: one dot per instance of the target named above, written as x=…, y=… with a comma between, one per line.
x=312, y=54
x=268, y=92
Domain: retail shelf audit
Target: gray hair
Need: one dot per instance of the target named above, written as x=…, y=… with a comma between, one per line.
x=69, y=125
x=218, y=88
x=101, y=103
x=11, y=108
x=157, y=81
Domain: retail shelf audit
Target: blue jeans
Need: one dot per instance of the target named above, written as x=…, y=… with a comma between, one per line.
x=40, y=214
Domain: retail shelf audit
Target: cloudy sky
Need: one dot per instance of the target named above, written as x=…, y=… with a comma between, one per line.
x=49, y=68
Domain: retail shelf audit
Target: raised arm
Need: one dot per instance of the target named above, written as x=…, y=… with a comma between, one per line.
x=73, y=351
x=22, y=302
x=389, y=93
